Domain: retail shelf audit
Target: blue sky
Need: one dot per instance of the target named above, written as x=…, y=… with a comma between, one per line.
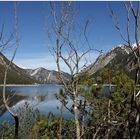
x=33, y=51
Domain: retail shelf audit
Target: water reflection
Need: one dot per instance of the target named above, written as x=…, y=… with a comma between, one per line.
x=41, y=97
x=12, y=100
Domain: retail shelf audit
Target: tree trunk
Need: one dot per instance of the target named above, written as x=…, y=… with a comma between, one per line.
x=137, y=126
x=76, y=117
x=16, y=126
x=83, y=118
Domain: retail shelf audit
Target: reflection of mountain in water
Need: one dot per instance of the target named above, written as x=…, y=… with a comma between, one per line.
x=37, y=96
x=13, y=99
x=40, y=98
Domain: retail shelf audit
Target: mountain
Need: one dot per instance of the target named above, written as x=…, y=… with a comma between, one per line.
x=46, y=76
x=120, y=57
x=15, y=74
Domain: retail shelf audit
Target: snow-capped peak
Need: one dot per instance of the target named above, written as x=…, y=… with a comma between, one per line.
x=36, y=71
x=120, y=45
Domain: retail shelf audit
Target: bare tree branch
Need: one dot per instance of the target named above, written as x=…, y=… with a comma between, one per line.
x=13, y=114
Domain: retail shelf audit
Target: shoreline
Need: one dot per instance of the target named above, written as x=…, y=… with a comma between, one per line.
x=9, y=85
x=22, y=85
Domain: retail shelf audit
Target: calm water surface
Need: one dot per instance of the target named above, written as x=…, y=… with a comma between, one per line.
x=40, y=96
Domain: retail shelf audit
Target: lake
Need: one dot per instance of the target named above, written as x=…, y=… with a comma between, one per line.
x=41, y=97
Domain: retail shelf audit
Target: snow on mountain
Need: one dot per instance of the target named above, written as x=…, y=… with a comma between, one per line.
x=36, y=71
x=120, y=56
x=46, y=76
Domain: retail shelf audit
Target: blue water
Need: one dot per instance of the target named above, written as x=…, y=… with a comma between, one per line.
x=41, y=97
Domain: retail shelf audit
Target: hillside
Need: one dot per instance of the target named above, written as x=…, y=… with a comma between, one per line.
x=15, y=74
x=120, y=57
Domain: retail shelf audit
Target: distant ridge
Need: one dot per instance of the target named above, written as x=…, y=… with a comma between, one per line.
x=120, y=57
x=47, y=76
